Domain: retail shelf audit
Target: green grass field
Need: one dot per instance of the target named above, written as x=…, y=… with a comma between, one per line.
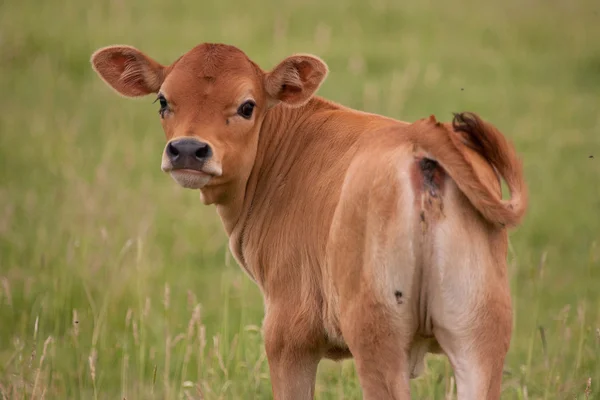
x=116, y=283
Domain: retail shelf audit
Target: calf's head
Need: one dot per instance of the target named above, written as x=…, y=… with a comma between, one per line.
x=212, y=102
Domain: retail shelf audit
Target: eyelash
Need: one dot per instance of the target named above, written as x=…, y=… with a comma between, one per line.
x=164, y=105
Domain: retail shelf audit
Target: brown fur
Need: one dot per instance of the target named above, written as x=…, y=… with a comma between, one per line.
x=368, y=237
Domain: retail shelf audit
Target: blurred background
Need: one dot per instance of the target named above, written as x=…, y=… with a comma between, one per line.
x=117, y=283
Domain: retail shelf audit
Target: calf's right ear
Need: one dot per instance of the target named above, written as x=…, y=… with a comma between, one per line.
x=127, y=70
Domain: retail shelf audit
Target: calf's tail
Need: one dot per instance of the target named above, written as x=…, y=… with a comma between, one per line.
x=446, y=143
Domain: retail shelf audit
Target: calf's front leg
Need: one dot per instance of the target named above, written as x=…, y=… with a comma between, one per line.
x=293, y=354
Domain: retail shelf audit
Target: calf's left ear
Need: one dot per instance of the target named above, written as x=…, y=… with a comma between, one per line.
x=295, y=79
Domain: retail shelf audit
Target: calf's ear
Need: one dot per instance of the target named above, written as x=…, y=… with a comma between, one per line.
x=296, y=79
x=127, y=70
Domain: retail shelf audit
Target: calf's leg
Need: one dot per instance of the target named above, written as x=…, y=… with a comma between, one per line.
x=293, y=354
x=379, y=348
x=470, y=304
x=371, y=256
x=477, y=352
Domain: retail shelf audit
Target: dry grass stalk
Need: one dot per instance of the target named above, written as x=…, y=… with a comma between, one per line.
x=450, y=392
x=588, y=389
x=92, y=363
x=75, y=323
x=7, y=293
x=136, y=334
x=167, y=297
x=219, y=356
x=146, y=310
x=39, y=371
x=167, y=365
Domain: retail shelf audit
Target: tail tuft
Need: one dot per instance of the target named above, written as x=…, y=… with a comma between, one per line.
x=488, y=141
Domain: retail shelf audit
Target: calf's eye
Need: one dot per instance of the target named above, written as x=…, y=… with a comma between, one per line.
x=163, y=105
x=246, y=109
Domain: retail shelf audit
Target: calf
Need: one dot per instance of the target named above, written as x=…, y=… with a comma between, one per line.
x=369, y=237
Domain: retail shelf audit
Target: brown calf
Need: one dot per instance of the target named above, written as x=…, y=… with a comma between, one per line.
x=368, y=237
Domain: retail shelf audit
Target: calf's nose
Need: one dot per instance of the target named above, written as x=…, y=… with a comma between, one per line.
x=187, y=152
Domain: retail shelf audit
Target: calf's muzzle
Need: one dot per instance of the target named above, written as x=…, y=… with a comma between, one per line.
x=188, y=153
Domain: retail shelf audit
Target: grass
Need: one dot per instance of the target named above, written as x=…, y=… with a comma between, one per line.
x=115, y=283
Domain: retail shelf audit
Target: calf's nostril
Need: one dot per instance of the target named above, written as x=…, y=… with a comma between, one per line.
x=202, y=152
x=172, y=150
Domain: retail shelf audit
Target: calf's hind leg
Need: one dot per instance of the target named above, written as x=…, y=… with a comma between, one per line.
x=471, y=306
x=477, y=351
x=379, y=348
x=372, y=263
